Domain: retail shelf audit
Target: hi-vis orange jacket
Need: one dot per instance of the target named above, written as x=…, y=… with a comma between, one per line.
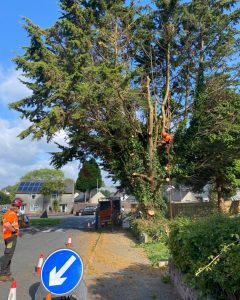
x=10, y=218
x=167, y=137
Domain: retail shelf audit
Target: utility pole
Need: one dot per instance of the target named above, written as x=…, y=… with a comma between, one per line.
x=97, y=185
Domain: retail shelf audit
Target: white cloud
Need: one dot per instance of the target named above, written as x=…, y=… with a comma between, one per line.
x=17, y=157
x=11, y=89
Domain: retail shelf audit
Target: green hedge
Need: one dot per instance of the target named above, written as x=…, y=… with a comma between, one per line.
x=156, y=229
x=211, y=241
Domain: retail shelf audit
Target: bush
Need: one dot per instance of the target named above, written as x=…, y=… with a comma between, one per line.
x=156, y=229
x=4, y=198
x=213, y=241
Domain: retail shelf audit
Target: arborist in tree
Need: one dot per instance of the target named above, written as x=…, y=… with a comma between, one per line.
x=166, y=142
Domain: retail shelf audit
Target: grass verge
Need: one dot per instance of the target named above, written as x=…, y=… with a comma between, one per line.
x=49, y=222
x=156, y=251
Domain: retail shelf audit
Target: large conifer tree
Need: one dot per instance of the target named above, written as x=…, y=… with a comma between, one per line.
x=208, y=149
x=114, y=77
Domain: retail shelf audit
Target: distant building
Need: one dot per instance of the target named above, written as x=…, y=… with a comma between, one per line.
x=35, y=202
x=183, y=195
x=236, y=197
x=91, y=197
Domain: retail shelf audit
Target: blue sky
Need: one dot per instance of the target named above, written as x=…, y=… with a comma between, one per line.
x=17, y=157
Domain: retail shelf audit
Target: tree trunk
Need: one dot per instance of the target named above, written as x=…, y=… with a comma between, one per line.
x=221, y=202
x=150, y=136
x=165, y=102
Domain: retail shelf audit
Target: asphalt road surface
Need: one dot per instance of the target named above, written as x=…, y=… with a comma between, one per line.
x=114, y=269
x=33, y=242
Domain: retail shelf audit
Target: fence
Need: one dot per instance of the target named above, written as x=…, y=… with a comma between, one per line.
x=191, y=209
x=203, y=208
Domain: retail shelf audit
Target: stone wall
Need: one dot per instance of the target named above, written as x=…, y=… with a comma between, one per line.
x=181, y=287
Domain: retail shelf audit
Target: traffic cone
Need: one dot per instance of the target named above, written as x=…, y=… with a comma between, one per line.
x=49, y=296
x=69, y=242
x=39, y=266
x=12, y=294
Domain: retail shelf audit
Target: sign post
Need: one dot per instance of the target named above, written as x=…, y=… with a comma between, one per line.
x=62, y=271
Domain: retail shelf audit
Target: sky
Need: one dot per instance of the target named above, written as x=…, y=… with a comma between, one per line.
x=17, y=157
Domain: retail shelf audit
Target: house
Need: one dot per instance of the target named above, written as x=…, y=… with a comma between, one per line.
x=236, y=197
x=82, y=200
x=180, y=196
x=129, y=203
x=189, y=198
x=91, y=197
x=35, y=202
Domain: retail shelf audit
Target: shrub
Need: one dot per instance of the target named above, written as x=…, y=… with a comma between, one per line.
x=210, y=241
x=156, y=229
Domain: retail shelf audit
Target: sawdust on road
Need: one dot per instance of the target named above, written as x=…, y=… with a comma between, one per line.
x=115, y=269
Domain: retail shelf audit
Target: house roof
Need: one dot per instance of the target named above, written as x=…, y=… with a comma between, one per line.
x=81, y=196
x=189, y=197
x=34, y=186
x=31, y=186
x=181, y=196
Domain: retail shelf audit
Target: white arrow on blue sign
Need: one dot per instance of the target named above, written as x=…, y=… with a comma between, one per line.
x=62, y=271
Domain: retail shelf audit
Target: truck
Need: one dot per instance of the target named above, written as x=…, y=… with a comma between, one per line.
x=109, y=211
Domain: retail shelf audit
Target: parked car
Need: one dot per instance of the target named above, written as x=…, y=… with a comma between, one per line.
x=3, y=210
x=88, y=210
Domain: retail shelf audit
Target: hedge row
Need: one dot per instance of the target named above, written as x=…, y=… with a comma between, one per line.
x=156, y=229
x=210, y=248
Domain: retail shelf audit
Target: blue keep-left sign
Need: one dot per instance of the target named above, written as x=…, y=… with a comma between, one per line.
x=62, y=271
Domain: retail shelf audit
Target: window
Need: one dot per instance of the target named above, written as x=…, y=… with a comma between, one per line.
x=34, y=207
x=33, y=196
x=54, y=196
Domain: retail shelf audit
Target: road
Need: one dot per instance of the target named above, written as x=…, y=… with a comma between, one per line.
x=114, y=268
x=33, y=242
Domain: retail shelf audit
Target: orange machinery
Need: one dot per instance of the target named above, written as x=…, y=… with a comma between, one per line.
x=109, y=211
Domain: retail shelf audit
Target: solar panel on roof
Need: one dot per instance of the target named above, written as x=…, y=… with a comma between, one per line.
x=29, y=187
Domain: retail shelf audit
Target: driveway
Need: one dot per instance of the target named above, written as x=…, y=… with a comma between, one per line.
x=114, y=267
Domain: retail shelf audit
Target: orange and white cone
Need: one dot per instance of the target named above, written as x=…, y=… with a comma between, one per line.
x=49, y=296
x=13, y=291
x=40, y=263
x=69, y=242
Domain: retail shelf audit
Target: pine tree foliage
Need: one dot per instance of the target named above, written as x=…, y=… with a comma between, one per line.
x=114, y=76
x=211, y=156
x=204, y=149
x=89, y=176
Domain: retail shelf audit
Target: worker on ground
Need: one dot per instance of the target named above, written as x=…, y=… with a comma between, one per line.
x=10, y=234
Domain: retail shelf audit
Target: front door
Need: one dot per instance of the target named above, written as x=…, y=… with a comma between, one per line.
x=63, y=207
x=23, y=209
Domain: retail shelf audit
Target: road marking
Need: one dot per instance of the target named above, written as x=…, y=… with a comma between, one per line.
x=48, y=230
